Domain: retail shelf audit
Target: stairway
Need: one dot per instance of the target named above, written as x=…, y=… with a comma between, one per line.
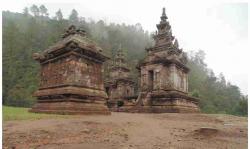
x=139, y=102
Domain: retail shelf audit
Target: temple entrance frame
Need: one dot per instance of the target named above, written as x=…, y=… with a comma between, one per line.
x=151, y=79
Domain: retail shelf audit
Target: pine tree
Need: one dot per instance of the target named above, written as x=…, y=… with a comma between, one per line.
x=73, y=18
x=59, y=15
x=35, y=10
x=43, y=10
x=26, y=11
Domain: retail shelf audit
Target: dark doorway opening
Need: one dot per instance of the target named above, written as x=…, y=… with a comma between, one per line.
x=107, y=90
x=151, y=79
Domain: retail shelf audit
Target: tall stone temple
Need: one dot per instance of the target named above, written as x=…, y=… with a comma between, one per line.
x=164, y=75
x=71, y=76
x=119, y=85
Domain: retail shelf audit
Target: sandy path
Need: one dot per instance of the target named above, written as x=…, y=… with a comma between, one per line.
x=128, y=131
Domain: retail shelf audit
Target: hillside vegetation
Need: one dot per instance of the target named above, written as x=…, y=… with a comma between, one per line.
x=33, y=31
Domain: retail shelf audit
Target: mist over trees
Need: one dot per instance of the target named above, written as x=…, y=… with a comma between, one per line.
x=33, y=31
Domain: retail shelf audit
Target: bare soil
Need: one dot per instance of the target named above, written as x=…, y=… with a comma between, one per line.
x=129, y=131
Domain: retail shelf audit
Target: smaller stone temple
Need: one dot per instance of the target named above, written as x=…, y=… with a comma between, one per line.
x=164, y=75
x=71, y=79
x=119, y=85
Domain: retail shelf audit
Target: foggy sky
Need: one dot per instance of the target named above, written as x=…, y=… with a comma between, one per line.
x=218, y=28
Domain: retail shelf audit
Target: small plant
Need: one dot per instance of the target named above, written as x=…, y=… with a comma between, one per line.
x=195, y=93
x=120, y=103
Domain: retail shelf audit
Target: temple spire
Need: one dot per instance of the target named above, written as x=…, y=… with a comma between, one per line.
x=119, y=56
x=164, y=31
x=163, y=16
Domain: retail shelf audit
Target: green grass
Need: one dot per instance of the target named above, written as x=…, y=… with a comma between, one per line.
x=18, y=113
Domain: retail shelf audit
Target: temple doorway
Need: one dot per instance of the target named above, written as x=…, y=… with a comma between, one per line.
x=151, y=79
x=107, y=91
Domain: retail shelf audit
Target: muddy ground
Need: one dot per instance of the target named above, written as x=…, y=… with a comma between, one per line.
x=129, y=131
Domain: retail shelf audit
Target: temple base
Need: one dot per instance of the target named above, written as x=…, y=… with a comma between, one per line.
x=162, y=102
x=158, y=109
x=70, y=108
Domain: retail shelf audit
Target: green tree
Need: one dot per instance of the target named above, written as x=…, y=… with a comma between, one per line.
x=59, y=15
x=26, y=11
x=242, y=106
x=35, y=10
x=73, y=18
x=43, y=10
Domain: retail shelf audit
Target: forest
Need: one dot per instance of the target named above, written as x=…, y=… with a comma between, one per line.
x=35, y=30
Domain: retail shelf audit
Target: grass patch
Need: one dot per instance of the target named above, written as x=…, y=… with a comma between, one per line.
x=18, y=113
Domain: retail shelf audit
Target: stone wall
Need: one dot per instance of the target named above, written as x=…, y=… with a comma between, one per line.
x=72, y=70
x=121, y=90
x=119, y=74
x=179, y=78
x=165, y=77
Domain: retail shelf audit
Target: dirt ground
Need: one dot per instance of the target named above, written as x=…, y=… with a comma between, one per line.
x=129, y=131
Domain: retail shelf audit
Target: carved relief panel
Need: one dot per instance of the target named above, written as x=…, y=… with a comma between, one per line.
x=71, y=71
x=54, y=73
x=166, y=78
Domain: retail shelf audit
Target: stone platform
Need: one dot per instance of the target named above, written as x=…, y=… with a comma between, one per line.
x=70, y=107
x=163, y=102
x=70, y=100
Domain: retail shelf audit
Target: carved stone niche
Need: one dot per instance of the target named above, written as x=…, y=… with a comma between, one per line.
x=71, y=77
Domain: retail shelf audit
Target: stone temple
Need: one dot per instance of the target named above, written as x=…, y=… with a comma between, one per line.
x=71, y=76
x=119, y=85
x=164, y=75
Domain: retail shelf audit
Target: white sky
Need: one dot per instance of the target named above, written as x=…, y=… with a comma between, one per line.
x=218, y=28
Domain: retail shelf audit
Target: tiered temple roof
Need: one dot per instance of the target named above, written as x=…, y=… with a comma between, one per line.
x=166, y=48
x=120, y=61
x=119, y=70
x=72, y=39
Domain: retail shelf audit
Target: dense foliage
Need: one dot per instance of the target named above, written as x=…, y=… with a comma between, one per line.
x=217, y=95
x=33, y=31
